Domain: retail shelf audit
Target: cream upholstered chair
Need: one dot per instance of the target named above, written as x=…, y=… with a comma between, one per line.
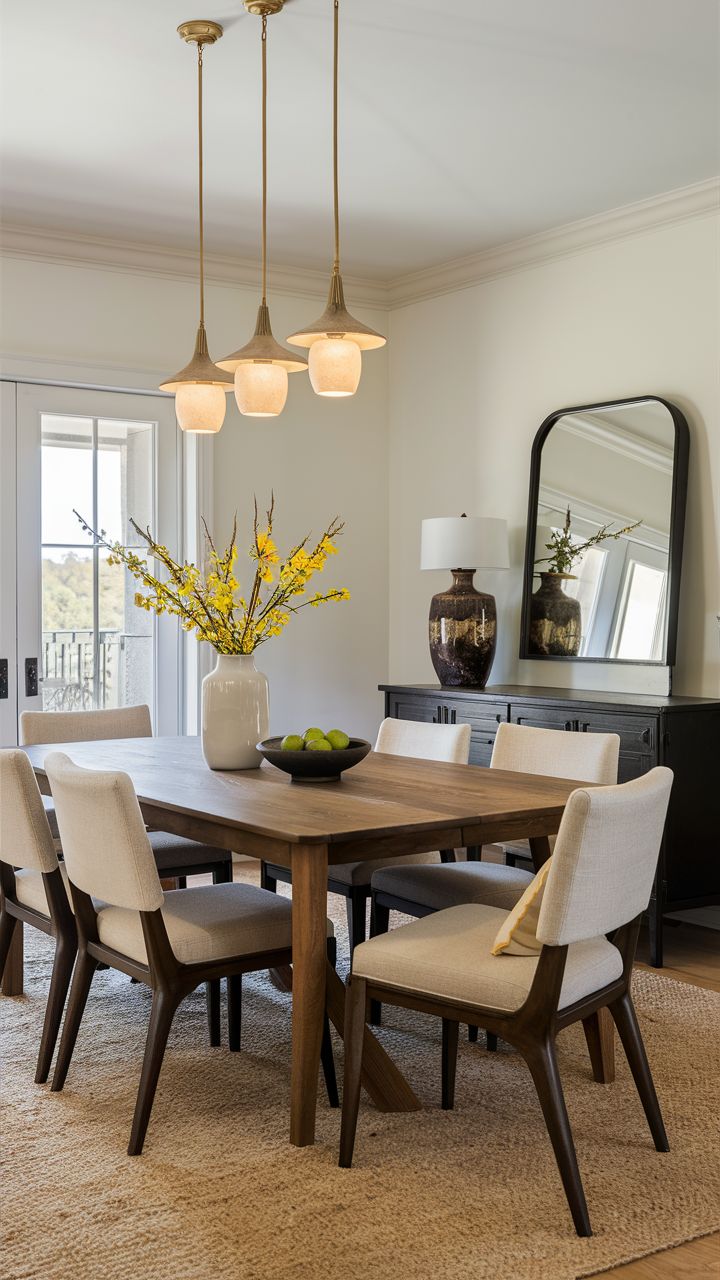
x=449, y=742
x=170, y=941
x=32, y=888
x=598, y=885
x=175, y=856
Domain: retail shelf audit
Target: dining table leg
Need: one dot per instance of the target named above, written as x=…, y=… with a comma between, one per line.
x=309, y=944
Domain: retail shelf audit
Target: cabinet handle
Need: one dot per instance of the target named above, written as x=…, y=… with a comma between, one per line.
x=568, y=725
x=646, y=735
x=453, y=716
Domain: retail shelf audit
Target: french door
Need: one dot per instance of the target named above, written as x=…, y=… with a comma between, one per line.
x=70, y=631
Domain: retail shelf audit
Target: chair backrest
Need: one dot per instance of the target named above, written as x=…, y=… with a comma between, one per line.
x=604, y=859
x=105, y=844
x=84, y=726
x=25, y=837
x=424, y=741
x=586, y=757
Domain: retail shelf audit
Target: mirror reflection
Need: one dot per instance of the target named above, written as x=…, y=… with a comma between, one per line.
x=600, y=583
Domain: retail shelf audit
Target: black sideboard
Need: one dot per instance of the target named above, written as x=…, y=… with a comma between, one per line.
x=682, y=733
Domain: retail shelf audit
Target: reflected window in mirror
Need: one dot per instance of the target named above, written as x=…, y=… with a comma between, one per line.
x=605, y=533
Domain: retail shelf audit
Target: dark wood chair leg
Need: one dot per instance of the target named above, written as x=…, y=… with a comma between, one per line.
x=623, y=1012
x=447, y=855
x=356, y=904
x=328, y=1065
x=450, y=1031
x=542, y=1062
x=65, y=952
x=234, y=1005
x=181, y=882
x=266, y=880
x=212, y=1000
x=655, y=930
x=11, y=955
x=162, y=1013
x=7, y=931
x=473, y=853
x=472, y=1035
x=223, y=872
x=600, y=1037
x=79, y=990
x=379, y=923
x=354, y=1035
x=491, y=1041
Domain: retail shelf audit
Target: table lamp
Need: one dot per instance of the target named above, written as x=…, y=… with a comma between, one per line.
x=463, y=621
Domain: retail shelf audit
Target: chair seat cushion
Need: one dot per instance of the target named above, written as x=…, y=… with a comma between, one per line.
x=208, y=923
x=30, y=889
x=357, y=873
x=447, y=956
x=453, y=883
x=174, y=852
x=212, y=922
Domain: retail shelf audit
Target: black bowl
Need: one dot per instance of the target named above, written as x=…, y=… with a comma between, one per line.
x=314, y=766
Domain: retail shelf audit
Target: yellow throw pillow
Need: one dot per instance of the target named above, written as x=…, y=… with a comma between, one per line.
x=517, y=934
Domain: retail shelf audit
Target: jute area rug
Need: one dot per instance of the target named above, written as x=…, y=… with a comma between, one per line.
x=219, y=1194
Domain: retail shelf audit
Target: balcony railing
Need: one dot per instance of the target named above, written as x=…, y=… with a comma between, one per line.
x=82, y=670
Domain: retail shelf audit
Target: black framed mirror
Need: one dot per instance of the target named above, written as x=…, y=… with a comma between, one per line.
x=603, y=551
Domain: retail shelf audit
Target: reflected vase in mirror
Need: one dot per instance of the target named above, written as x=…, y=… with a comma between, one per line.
x=555, y=619
x=463, y=620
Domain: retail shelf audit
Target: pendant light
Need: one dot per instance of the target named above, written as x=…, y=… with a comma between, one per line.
x=337, y=338
x=200, y=388
x=262, y=366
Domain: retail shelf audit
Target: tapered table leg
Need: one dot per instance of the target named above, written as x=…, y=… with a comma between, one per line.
x=309, y=943
x=540, y=850
x=12, y=982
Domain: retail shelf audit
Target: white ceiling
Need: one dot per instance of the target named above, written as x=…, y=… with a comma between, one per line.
x=463, y=125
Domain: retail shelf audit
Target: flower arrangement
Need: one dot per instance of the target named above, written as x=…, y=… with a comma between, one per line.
x=212, y=603
x=565, y=552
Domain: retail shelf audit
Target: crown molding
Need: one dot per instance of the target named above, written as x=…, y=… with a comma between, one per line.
x=618, y=440
x=66, y=248
x=664, y=210
x=73, y=248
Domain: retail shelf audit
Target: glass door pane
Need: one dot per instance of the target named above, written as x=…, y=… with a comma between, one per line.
x=97, y=647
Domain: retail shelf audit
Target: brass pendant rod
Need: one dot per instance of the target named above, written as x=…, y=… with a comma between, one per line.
x=336, y=196
x=200, y=184
x=264, y=157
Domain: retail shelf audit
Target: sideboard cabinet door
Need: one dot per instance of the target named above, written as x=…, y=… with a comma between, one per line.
x=540, y=717
x=639, y=740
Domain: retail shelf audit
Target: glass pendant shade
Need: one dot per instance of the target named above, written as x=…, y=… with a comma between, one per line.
x=335, y=366
x=200, y=408
x=261, y=389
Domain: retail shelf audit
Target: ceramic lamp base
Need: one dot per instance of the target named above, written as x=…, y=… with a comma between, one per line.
x=463, y=633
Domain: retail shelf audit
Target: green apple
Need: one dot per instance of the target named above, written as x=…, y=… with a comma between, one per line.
x=338, y=740
x=309, y=734
x=293, y=742
x=318, y=744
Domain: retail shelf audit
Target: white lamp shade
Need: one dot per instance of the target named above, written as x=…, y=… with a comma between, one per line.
x=334, y=365
x=464, y=542
x=200, y=407
x=261, y=389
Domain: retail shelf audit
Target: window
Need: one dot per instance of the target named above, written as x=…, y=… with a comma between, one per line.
x=639, y=628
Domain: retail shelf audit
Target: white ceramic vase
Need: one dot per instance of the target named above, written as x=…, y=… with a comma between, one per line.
x=235, y=713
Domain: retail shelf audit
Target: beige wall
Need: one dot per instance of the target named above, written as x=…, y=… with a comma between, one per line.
x=473, y=374
x=321, y=458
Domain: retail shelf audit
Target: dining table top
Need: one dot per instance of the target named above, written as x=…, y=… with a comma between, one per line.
x=382, y=794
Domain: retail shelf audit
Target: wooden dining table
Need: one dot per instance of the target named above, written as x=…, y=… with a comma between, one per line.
x=387, y=805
